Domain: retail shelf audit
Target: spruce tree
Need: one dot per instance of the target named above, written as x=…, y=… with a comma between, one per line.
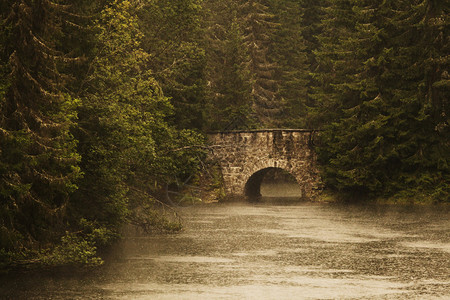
x=331, y=65
x=229, y=79
x=288, y=49
x=258, y=26
x=385, y=138
x=129, y=151
x=39, y=163
x=420, y=64
x=172, y=35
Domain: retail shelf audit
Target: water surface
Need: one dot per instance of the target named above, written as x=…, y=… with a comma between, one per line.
x=269, y=251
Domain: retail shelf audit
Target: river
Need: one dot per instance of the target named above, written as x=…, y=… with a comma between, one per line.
x=269, y=250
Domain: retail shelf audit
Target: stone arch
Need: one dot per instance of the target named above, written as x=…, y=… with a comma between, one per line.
x=241, y=154
x=252, y=188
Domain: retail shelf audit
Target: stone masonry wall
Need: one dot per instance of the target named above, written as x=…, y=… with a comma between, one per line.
x=243, y=153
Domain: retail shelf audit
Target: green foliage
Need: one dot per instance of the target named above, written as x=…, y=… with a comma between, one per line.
x=258, y=26
x=229, y=78
x=73, y=250
x=172, y=37
x=242, y=64
x=79, y=135
x=78, y=248
x=38, y=160
x=126, y=142
x=388, y=129
x=289, y=50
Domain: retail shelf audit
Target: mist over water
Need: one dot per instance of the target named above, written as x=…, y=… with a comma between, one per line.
x=278, y=184
x=264, y=251
x=281, y=190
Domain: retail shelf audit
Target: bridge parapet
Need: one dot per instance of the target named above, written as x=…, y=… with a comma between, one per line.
x=243, y=153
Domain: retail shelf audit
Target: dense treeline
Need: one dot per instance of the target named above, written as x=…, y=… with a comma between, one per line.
x=103, y=102
x=382, y=97
x=86, y=138
x=373, y=75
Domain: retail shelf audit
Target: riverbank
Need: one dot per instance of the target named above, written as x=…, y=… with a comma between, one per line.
x=404, y=198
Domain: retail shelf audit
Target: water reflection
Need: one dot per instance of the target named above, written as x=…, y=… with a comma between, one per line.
x=265, y=251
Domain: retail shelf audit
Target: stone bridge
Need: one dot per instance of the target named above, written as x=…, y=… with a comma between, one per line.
x=246, y=156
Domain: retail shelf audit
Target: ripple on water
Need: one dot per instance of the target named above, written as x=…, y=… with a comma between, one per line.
x=428, y=245
x=245, y=251
x=277, y=288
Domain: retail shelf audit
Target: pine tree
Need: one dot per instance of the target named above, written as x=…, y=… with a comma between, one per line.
x=129, y=151
x=229, y=85
x=363, y=142
x=173, y=36
x=420, y=61
x=331, y=65
x=288, y=49
x=257, y=26
x=312, y=14
x=39, y=163
x=385, y=137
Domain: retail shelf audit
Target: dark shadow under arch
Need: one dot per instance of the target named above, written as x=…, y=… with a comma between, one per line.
x=252, y=188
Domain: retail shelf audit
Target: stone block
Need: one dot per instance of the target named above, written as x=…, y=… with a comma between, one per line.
x=241, y=154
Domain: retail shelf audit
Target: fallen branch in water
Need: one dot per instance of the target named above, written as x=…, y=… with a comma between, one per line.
x=154, y=214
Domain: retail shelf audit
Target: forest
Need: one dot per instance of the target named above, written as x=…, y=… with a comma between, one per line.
x=105, y=103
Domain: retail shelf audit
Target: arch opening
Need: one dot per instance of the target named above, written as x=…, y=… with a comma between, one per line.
x=272, y=182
